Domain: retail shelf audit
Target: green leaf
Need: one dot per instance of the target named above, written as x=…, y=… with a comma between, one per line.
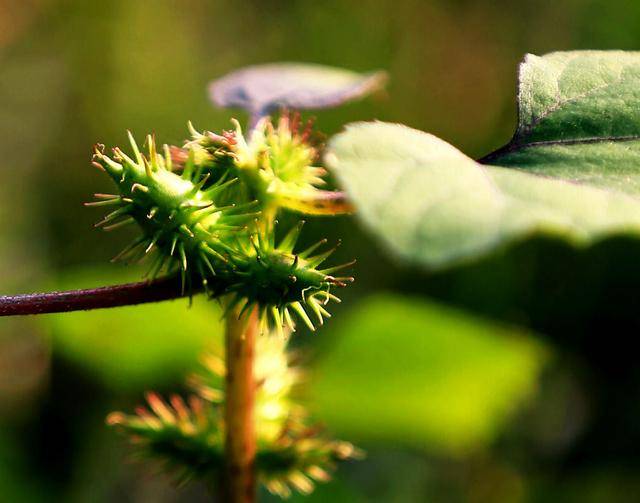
x=134, y=347
x=578, y=119
x=576, y=156
x=434, y=206
x=405, y=371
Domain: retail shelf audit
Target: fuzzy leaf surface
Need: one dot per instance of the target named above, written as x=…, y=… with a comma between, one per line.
x=571, y=170
x=578, y=119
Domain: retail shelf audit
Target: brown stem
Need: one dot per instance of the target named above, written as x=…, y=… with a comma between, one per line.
x=240, y=441
x=93, y=298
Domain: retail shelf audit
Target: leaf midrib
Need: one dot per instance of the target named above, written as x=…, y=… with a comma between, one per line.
x=515, y=146
x=519, y=140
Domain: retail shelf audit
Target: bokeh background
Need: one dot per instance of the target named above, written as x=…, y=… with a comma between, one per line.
x=512, y=379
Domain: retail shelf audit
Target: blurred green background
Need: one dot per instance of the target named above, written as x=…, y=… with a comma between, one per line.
x=512, y=379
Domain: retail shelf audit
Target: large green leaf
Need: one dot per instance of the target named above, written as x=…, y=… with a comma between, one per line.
x=575, y=149
x=433, y=205
x=578, y=119
x=406, y=371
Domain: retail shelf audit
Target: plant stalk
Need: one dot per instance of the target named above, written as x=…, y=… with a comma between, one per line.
x=166, y=288
x=240, y=440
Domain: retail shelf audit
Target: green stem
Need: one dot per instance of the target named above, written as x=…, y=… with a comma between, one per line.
x=240, y=440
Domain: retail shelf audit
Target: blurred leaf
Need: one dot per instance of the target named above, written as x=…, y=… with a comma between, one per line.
x=137, y=346
x=579, y=113
x=433, y=205
x=405, y=371
x=263, y=88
